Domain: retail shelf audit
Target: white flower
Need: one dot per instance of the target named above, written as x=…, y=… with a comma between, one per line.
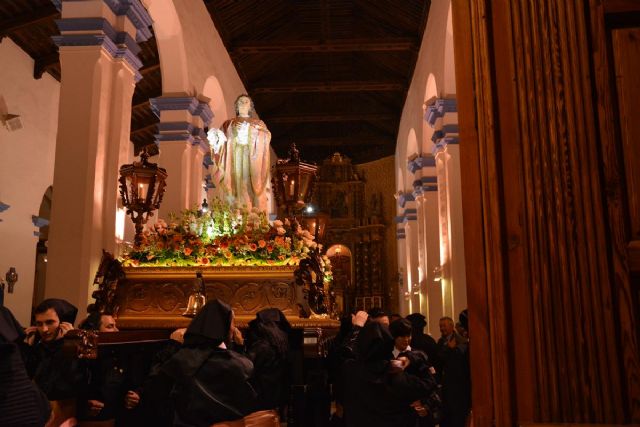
x=277, y=223
x=287, y=222
x=281, y=231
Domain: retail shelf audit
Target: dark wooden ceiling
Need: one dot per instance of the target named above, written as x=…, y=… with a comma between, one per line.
x=329, y=75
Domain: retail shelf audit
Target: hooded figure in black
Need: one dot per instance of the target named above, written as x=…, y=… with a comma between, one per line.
x=207, y=383
x=421, y=341
x=60, y=376
x=268, y=349
x=21, y=402
x=378, y=393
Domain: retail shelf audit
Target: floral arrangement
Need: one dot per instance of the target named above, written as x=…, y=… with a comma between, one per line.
x=226, y=235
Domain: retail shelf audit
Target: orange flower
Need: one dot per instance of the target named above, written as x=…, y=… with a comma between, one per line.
x=253, y=247
x=279, y=240
x=224, y=244
x=269, y=247
x=160, y=245
x=281, y=257
x=150, y=257
x=177, y=237
x=227, y=254
x=204, y=261
x=187, y=251
x=262, y=243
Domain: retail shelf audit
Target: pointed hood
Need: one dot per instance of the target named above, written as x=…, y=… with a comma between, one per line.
x=210, y=326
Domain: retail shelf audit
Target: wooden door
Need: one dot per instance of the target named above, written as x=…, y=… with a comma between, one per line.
x=549, y=122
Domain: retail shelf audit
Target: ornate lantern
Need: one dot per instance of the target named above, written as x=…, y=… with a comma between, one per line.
x=315, y=222
x=142, y=186
x=293, y=182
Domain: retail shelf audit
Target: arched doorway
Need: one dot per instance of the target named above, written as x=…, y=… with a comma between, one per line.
x=42, y=222
x=341, y=267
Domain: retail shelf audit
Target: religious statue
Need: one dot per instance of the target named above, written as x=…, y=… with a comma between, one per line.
x=245, y=156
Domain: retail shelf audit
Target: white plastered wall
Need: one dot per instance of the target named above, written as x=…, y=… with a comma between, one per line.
x=26, y=167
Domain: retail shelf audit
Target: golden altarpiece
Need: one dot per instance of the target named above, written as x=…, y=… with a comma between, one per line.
x=355, y=234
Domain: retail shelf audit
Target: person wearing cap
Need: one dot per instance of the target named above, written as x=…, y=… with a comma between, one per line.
x=60, y=376
x=421, y=341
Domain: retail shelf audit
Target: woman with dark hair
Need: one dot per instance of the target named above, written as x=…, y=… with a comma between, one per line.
x=378, y=391
x=268, y=349
x=207, y=383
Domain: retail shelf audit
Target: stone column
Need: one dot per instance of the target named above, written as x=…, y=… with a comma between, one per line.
x=98, y=48
x=442, y=115
x=182, y=143
x=425, y=192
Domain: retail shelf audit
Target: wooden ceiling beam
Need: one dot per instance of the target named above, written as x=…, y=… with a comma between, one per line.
x=150, y=68
x=39, y=15
x=342, y=141
x=144, y=128
x=317, y=46
x=44, y=63
x=347, y=86
x=342, y=117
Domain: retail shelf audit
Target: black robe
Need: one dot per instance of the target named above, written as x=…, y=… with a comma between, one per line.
x=456, y=381
x=267, y=347
x=206, y=384
x=21, y=402
x=376, y=394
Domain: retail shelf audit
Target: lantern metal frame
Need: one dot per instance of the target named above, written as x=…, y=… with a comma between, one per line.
x=142, y=186
x=293, y=182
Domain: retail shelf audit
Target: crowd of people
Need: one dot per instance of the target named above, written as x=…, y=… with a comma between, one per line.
x=382, y=372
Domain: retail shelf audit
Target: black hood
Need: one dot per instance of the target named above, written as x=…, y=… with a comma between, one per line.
x=65, y=310
x=10, y=329
x=273, y=315
x=417, y=320
x=375, y=343
x=210, y=326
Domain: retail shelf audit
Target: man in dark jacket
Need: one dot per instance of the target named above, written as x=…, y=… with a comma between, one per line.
x=62, y=377
x=454, y=374
x=378, y=392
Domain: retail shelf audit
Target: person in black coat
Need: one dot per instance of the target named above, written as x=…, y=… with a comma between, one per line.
x=268, y=349
x=378, y=392
x=421, y=341
x=21, y=401
x=207, y=383
x=62, y=377
x=454, y=374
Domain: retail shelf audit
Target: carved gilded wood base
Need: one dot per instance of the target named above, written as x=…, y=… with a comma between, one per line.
x=156, y=297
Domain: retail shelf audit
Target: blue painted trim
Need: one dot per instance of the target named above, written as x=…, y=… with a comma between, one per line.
x=404, y=198
x=420, y=162
x=174, y=137
x=443, y=142
x=4, y=207
x=39, y=221
x=175, y=127
x=439, y=108
x=137, y=14
x=188, y=103
x=205, y=113
x=107, y=44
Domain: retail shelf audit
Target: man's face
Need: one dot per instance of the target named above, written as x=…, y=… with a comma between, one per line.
x=48, y=324
x=402, y=343
x=446, y=327
x=108, y=324
x=244, y=106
